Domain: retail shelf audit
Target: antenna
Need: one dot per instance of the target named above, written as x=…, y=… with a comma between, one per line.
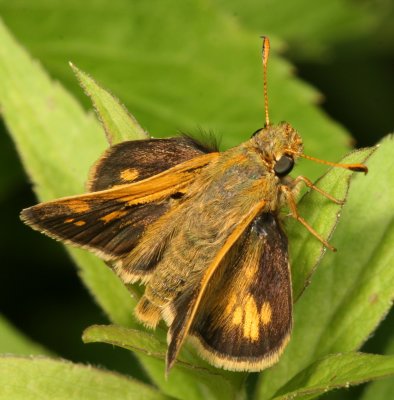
x=265, y=54
x=352, y=167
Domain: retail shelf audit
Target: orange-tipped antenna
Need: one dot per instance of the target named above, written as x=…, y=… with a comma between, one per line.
x=352, y=167
x=265, y=54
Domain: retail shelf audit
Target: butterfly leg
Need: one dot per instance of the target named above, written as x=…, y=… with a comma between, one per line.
x=309, y=183
x=294, y=212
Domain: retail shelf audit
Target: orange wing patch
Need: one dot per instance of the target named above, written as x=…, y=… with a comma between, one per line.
x=251, y=321
x=129, y=175
x=112, y=216
x=80, y=223
x=266, y=313
x=247, y=317
x=78, y=206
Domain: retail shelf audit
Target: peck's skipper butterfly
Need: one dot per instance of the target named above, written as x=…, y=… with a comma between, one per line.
x=201, y=229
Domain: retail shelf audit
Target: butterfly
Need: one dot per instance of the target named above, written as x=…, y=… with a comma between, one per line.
x=201, y=229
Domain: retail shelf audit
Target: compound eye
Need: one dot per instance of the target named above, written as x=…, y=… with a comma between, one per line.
x=284, y=166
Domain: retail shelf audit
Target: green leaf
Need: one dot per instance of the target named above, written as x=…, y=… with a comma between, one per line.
x=105, y=287
x=189, y=74
x=382, y=389
x=190, y=378
x=13, y=178
x=118, y=123
x=131, y=339
x=336, y=371
x=58, y=142
x=353, y=289
x=322, y=214
x=13, y=341
x=317, y=28
x=44, y=378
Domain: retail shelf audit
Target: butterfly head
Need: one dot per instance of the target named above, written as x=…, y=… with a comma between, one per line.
x=279, y=146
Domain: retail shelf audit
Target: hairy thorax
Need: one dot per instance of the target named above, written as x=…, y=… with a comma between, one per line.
x=207, y=217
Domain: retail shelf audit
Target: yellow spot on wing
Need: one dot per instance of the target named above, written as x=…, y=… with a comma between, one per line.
x=79, y=223
x=129, y=174
x=78, y=206
x=113, y=215
x=230, y=305
x=266, y=313
x=250, y=272
x=68, y=220
x=252, y=320
x=237, y=317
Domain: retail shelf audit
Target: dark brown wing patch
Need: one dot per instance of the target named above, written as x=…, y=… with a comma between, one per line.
x=135, y=160
x=245, y=319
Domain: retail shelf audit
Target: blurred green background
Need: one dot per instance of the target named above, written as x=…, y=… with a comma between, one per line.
x=165, y=60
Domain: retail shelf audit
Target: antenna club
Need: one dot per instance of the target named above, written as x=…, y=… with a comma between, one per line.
x=351, y=167
x=265, y=54
x=266, y=49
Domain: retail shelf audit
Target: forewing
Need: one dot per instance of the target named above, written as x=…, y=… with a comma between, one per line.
x=105, y=225
x=110, y=222
x=245, y=319
x=136, y=160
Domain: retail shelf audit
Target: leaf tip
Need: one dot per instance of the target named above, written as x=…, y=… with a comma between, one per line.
x=73, y=67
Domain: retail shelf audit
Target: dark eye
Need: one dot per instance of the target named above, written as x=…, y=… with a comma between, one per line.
x=284, y=165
